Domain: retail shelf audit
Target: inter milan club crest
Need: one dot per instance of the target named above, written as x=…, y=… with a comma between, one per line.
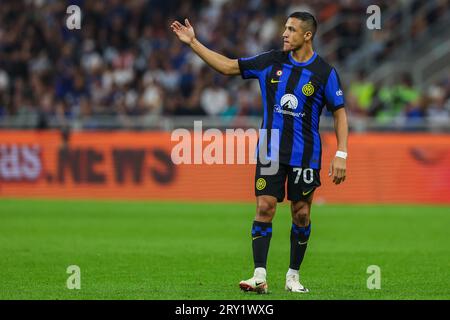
x=308, y=89
x=260, y=184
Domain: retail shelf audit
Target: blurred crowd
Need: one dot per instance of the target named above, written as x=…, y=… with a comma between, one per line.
x=125, y=60
x=402, y=102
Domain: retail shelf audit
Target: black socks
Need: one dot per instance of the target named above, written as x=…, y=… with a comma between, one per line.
x=261, y=235
x=299, y=242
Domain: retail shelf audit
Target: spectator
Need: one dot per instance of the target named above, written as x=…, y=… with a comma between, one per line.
x=361, y=94
x=214, y=100
x=395, y=98
x=437, y=112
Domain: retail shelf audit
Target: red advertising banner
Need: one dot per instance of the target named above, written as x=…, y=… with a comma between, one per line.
x=382, y=168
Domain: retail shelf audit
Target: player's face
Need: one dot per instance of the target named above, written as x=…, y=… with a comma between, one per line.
x=294, y=36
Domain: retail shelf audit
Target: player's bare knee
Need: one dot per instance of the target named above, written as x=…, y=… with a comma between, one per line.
x=300, y=206
x=301, y=213
x=301, y=218
x=265, y=211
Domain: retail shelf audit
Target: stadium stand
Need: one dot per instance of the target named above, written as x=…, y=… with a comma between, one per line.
x=124, y=68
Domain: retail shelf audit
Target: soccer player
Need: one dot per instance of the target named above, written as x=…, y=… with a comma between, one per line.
x=296, y=83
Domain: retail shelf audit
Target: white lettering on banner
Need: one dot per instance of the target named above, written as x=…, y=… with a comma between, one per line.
x=20, y=162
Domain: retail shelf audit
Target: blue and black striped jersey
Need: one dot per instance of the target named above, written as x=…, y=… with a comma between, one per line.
x=293, y=96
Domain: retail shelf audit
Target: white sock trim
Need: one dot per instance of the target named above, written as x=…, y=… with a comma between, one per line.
x=291, y=272
x=260, y=272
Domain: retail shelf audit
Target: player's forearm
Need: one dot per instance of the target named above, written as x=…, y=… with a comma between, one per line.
x=217, y=61
x=341, y=129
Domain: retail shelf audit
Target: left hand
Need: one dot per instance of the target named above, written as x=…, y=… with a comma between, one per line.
x=338, y=170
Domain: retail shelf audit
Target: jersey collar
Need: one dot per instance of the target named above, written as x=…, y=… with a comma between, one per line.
x=302, y=64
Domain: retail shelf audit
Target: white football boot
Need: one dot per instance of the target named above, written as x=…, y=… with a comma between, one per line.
x=257, y=283
x=293, y=284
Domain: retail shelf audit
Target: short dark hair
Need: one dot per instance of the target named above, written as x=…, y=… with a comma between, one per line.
x=308, y=19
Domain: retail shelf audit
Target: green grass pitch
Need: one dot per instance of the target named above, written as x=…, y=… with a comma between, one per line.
x=154, y=250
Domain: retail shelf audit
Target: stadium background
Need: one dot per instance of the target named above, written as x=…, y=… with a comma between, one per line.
x=87, y=114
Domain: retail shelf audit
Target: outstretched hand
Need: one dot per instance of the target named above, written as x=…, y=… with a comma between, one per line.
x=184, y=32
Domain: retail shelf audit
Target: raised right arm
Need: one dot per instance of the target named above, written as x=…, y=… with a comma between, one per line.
x=217, y=61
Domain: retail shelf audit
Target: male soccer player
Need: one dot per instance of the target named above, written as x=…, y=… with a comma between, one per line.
x=296, y=84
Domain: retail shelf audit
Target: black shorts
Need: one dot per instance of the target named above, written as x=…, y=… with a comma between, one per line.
x=300, y=182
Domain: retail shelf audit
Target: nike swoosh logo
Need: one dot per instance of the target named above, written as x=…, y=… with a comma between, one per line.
x=308, y=192
x=302, y=243
x=254, y=238
x=274, y=81
x=258, y=283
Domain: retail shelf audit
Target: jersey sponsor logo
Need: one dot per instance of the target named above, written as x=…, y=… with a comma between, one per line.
x=339, y=93
x=308, y=89
x=278, y=109
x=274, y=81
x=260, y=184
x=289, y=101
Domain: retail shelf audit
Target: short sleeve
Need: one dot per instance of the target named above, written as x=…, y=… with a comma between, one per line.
x=333, y=92
x=252, y=67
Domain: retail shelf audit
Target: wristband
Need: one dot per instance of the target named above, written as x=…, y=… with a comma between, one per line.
x=341, y=154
